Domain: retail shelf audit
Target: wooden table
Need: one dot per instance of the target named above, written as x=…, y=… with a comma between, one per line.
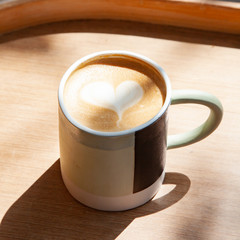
x=200, y=197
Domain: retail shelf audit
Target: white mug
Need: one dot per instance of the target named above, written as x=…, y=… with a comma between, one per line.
x=116, y=171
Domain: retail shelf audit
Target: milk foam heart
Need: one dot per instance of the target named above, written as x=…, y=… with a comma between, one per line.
x=103, y=94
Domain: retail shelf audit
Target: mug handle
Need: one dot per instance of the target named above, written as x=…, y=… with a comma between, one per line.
x=197, y=134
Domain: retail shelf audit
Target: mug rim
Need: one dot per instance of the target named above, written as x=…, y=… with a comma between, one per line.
x=80, y=61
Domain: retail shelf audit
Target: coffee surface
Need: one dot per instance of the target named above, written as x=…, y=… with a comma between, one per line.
x=113, y=94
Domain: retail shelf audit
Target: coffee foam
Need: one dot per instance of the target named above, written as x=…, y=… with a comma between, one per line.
x=103, y=94
x=113, y=94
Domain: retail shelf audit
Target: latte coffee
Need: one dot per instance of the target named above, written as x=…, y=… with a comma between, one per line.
x=114, y=93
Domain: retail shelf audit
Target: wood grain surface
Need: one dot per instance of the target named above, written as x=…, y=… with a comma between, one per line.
x=212, y=15
x=200, y=197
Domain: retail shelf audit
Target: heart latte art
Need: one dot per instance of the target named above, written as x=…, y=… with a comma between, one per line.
x=107, y=97
x=103, y=94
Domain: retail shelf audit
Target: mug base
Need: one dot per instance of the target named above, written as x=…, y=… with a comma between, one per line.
x=113, y=203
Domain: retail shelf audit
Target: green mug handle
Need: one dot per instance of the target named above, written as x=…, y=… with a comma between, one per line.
x=197, y=134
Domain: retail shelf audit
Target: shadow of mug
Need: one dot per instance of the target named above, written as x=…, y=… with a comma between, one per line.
x=47, y=211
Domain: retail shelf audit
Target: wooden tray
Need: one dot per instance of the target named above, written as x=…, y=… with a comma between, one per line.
x=200, y=195
x=223, y=16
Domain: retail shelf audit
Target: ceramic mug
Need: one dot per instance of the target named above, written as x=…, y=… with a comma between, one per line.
x=116, y=171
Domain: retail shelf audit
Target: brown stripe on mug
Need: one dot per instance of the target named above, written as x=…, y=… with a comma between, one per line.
x=150, y=152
